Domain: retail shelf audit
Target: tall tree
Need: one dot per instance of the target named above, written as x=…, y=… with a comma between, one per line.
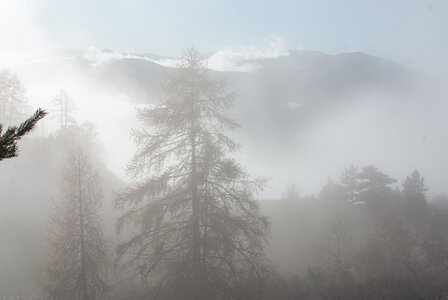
x=414, y=191
x=337, y=233
x=79, y=253
x=13, y=107
x=292, y=193
x=64, y=109
x=332, y=192
x=199, y=229
x=387, y=263
x=349, y=182
x=374, y=187
x=9, y=139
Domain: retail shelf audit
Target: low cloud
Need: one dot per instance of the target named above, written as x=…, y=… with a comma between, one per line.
x=97, y=57
x=246, y=58
x=167, y=62
x=239, y=59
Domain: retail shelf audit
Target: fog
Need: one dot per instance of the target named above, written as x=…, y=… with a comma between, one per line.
x=303, y=142
x=337, y=191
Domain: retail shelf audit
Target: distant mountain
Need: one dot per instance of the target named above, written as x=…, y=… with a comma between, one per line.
x=279, y=105
x=291, y=89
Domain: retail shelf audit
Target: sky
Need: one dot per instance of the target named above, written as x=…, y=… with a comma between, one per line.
x=411, y=31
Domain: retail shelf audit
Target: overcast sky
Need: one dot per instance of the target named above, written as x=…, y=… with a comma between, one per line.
x=411, y=31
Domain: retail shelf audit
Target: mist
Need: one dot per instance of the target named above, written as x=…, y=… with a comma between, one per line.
x=333, y=176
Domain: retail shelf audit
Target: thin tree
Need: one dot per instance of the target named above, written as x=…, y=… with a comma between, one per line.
x=200, y=234
x=64, y=109
x=414, y=191
x=349, y=182
x=9, y=139
x=338, y=230
x=13, y=107
x=79, y=253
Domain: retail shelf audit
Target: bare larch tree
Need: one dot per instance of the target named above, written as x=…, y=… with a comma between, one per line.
x=79, y=253
x=64, y=109
x=199, y=232
x=13, y=106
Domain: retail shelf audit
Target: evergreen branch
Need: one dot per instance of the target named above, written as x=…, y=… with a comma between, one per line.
x=9, y=139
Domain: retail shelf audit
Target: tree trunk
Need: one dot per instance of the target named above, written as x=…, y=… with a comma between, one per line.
x=196, y=247
x=195, y=212
x=81, y=225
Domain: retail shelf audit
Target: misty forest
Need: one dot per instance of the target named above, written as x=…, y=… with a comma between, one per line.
x=246, y=173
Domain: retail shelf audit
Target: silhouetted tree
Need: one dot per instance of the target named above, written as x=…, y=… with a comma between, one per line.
x=292, y=194
x=374, y=188
x=389, y=262
x=200, y=232
x=64, y=109
x=13, y=107
x=414, y=191
x=9, y=138
x=80, y=256
x=332, y=193
x=349, y=182
x=336, y=245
